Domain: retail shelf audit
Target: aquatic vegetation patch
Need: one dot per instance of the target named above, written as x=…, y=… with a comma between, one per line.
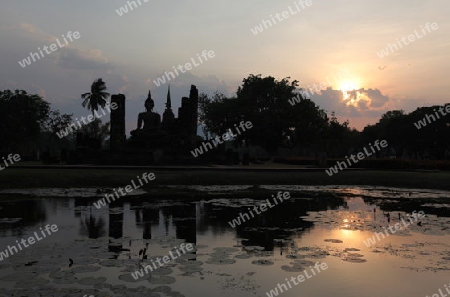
x=129, y=278
x=263, y=262
x=240, y=282
x=333, y=240
x=85, y=269
x=353, y=259
x=162, y=280
x=89, y=281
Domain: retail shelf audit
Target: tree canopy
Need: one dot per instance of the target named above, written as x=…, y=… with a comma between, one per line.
x=265, y=103
x=405, y=137
x=97, y=97
x=279, y=121
x=22, y=118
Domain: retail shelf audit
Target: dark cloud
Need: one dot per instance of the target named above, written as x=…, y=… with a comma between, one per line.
x=71, y=58
x=377, y=99
x=369, y=104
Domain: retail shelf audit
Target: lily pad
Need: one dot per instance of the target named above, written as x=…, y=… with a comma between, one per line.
x=128, y=277
x=87, y=268
x=90, y=281
x=191, y=269
x=216, y=261
x=162, y=271
x=164, y=279
x=333, y=240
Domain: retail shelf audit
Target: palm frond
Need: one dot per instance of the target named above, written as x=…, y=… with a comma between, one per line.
x=97, y=97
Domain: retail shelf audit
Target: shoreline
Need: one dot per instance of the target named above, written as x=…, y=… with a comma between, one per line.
x=99, y=177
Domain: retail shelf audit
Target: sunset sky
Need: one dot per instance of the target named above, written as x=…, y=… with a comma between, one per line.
x=312, y=46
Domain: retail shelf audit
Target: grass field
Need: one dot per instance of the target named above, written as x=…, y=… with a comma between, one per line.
x=66, y=178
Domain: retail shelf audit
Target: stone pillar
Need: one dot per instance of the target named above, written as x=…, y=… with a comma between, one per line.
x=188, y=117
x=193, y=96
x=117, y=136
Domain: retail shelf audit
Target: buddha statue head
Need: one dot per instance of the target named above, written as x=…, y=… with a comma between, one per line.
x=149, y=103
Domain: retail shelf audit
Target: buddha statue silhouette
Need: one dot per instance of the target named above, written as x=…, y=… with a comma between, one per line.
x=149, y=122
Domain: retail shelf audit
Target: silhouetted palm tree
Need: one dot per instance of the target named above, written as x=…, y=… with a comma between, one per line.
x=97, y=97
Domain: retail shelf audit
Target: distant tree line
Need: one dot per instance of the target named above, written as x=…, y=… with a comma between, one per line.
x=400, y=130
x=27, y=123
x=277, y=124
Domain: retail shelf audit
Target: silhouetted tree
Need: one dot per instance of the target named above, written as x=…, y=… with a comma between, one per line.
x=22, y=117
x=434, y=138
x=402, y=135
x=265, y=103
x=339, y=137
x=97, y=97
x=56, y=121
x=218, y=113
x=96, y=129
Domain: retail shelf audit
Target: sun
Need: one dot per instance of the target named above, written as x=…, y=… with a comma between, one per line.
x=347, y=86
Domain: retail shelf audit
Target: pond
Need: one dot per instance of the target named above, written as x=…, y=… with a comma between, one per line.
x=314, y=243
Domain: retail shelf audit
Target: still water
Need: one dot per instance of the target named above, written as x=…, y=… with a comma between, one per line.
x=316, y=225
